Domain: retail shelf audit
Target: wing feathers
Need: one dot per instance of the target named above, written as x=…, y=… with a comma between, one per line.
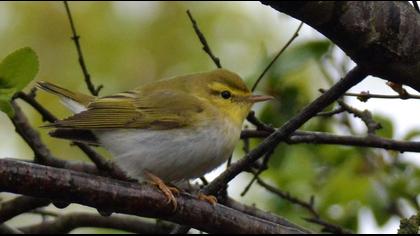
x=163, y=110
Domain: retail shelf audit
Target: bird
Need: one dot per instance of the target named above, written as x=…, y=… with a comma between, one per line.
x=166, y=131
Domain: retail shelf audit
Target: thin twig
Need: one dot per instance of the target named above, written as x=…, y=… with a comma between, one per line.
x=416, y=6
x=371, y=141
x=66, y=223
x=261, y=169
x=331, y=113
x=329, y=227
x=309, y=206
x=365, y=116
x=203, y=41
x=94, y=91
x=364, y=96
x=294, y=36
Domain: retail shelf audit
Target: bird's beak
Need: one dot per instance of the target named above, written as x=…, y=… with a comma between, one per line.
x=259, y=98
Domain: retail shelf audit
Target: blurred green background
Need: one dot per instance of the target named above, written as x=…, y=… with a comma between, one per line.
x=127, y=44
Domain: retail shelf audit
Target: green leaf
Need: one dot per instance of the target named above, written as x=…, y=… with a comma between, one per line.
x=17, y=70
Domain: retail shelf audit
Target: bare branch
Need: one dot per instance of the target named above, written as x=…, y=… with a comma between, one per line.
x=365, y=116
x=309, y=206
x=20, y=205
x=364, y=96
x=65, y=223
x=94, y=91
x=326, y=138
x=328, y=227
x=294, y=36
x=203, y=41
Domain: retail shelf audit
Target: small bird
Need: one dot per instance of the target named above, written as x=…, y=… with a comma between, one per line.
x=165, y=131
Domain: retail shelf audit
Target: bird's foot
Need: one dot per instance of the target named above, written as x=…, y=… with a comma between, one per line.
x=168, y=191
x=208, y=198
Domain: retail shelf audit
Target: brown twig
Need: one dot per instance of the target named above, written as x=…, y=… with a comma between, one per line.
x=294, y=36
x=309, y=206
x=364, y=96
x=331, y=113
x=328, y=227
x=365, y=116
x=63, y=224
x=331, y=139
x=19, y=205
x=203, y=41
x=94, y=91
x=261, y=169
x=416, y=6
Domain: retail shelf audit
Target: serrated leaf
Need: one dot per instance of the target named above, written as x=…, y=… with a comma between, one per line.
x=17, y=70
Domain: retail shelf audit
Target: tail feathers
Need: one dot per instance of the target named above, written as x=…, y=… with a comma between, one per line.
x=83, y=99
x=77, y=102
x=84, y=136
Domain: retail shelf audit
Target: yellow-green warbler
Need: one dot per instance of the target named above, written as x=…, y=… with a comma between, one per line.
x=176, y=129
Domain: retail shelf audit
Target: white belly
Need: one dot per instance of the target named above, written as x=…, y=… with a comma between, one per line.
x=172, y=155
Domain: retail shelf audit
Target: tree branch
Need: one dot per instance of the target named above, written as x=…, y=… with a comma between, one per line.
x=382, y=36
x=20, y=205
x=294, y=36
x=326, y=138
x=203, y=41
x=94, y=91
x=130, y=198
x=65, y=223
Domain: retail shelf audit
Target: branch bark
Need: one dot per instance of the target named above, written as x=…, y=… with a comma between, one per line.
x=112, y=195
x=382, y=36
x=20, y=205
x=66, y=223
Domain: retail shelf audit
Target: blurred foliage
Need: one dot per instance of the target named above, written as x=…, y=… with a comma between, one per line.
x=127, y=44
x=16, y=71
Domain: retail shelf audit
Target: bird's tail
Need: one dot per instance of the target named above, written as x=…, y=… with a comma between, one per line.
x=76, y=102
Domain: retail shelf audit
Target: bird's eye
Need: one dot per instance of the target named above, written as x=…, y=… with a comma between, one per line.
x=226, y=94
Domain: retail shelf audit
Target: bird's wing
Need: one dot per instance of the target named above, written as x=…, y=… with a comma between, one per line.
x=165, y=109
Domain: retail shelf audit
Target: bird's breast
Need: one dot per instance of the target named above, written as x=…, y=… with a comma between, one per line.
x=173, y=154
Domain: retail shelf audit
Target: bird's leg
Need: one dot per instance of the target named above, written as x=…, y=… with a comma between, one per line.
x=168, y=191
x=208, y=198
